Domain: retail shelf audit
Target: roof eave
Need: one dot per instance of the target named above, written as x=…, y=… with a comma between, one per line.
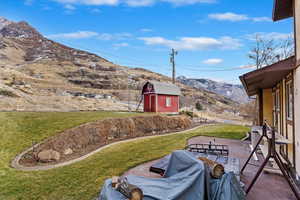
x=242, y=78
x=283, y=67
x=282, y=10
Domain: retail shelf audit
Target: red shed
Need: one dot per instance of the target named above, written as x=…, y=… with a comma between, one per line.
x=161, y=97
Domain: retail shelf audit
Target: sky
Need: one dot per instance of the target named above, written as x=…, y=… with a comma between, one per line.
x=212, y=37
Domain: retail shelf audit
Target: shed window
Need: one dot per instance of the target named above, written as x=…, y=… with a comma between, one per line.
x=168, y=101
x=289, y=100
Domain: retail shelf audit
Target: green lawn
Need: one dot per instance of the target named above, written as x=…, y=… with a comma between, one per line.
x=81, y=180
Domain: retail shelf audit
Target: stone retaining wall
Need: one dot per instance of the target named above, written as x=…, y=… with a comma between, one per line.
x=83, y=139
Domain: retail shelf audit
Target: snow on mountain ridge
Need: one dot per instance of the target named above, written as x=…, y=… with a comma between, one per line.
x=4, y=22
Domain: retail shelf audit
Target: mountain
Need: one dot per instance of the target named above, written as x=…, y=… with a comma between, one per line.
x=4, y=22
x=233, y=91
x=40, y=74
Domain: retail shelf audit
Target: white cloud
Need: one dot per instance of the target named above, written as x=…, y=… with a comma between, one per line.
x=92, y=34
x=271, y=35
x=194, y=43
x=123, y=44
x=105, y=36
x=116, y=36
x=133, y=3
x=213, y=61
x=229, y=16
x=70, y=7
x=188, y=2
x=247, y=67
x=28, y=2
x=278, y=36
x=95, y=10
x=261, y=19
x=137, y=3
x=89, y=2
x=75, y=35
x=233, y=17
x=146, y=30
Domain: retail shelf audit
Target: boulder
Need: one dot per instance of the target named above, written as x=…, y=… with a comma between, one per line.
x=48, y=156
x=68, y=151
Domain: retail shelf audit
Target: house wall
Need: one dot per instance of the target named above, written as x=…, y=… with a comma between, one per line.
x=290, y=146
x=297, y=86
x=268, y=106
x=283, y=108
x=297, y=28
x=297, y=116
x=285, y=126
x=161, y=103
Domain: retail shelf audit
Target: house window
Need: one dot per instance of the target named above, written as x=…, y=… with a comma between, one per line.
x=276, y=107
x=289, y=100
x=168, y=101
x=277, y=101
x=274, y=101
x=274, y=110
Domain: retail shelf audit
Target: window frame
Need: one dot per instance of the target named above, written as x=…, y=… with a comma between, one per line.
x=289, y=100
x=276, y=105
x=168, y=102
x=277, y=100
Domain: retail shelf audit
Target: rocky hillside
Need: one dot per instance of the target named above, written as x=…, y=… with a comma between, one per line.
x=40, y=74
x=233, y=91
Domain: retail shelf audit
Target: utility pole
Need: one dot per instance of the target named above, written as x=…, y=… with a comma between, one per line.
x=129, y=95
x=172, y=60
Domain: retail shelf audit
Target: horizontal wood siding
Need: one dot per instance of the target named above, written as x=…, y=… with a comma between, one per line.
x=162, y=107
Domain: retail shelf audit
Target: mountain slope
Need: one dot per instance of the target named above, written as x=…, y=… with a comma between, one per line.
x=41, y=74
x=234, y=92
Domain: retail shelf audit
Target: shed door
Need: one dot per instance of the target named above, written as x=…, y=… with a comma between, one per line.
x=147, y=103
x=153, y=103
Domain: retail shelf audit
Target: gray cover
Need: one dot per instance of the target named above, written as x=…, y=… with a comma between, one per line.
x=186, y=178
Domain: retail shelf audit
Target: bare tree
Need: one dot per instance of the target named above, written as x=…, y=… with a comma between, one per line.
x=287, y=48
x=267, y=51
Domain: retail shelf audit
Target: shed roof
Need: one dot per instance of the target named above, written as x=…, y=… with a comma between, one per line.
x=165, y=88
x=267, y=77
x=282, y=9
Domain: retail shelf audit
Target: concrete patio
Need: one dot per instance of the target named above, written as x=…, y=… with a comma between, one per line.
x=268, y=186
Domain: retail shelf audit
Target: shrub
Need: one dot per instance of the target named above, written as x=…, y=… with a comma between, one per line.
x=199, y=106
x=188, y=113
x=7, y=93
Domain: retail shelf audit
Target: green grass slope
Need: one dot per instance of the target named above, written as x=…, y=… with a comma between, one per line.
x=81, y=180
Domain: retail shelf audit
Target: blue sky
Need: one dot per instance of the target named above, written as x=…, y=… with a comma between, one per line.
x=211, y=36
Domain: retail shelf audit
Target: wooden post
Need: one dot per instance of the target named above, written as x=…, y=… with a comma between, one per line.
x=261, y=107
x=217, y=170
x=130, y=191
